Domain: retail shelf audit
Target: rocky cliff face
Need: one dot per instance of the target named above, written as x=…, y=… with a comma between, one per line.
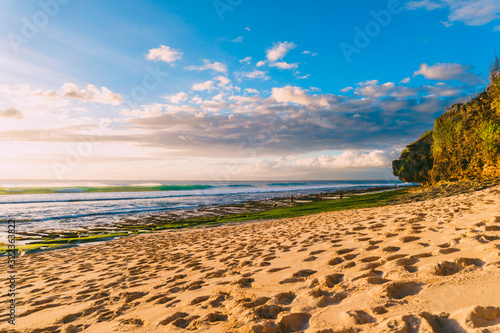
x=464, y=145
x=416, y=161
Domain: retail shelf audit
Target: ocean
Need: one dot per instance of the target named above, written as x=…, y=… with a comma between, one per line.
x=72, y=209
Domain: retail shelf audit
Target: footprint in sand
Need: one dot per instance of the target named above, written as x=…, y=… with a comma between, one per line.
x=391, y=249
x=408, y=239
x=332, y=280
x=299, y=276
x=179, y=319
x=250, y=303
x=446, y=268
x=483, y=316
x=400, y=290
x=358, y=317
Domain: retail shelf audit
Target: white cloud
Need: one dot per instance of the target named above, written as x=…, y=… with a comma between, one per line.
x=470, y=12
x=279, y=50
x=247, y=29
x=252, y=75
x=251, y=91
x=11, y=113
x=284, y=65
x=164, y=53
x=348, y=159
x=246, y=60
x=177, y=98
x=207, y=65
x=406, y=80
x=223, y=81
x=346, y=89
x=238, y=39
x=309, y=52
x=261, y=63
x=208, y=85
x=373, y=89
x=297, y=95
x=426, y=4
x=90, y=94
x=447, y=71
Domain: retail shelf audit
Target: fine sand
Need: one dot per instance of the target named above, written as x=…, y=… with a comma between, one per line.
x=430, y=266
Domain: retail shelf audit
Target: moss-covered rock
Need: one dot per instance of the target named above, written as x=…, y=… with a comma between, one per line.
x=464, y=145
x=467, y=141
x=415, y=162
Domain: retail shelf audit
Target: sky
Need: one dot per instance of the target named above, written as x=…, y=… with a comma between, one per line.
x=230, y=90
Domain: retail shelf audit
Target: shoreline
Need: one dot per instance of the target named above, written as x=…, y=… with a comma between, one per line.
x=208, y=215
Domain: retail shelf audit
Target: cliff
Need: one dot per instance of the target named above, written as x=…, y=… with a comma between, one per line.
x=464, y=145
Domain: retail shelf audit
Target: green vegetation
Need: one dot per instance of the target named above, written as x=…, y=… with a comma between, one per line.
x=446, y=130
x=352, y=202
x=83, y=189
x=465, y=143
x=489, y=134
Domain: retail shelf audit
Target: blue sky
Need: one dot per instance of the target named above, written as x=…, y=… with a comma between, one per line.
x=231, y=89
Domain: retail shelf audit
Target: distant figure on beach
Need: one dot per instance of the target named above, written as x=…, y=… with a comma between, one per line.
x=291, y=200
x=320, y=194
x=341, y=195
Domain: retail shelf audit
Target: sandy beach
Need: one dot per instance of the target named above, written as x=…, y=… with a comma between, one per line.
x=430, y=266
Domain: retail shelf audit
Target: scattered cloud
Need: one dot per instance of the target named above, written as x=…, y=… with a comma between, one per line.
x=90, y=94
x=297, y=95
x=164, y=53
x=309, y=52
x=223, y=81
x=284, y=65
x=346, y=89
x=205, y=86
x=256, y=74
x=470, y=12
x=261, y=63
x=246, y=60
x=279, y=50
x=11, y=113
x=238, y=39
x=247, y=29
x=251, y=91
x=348, y=159
x=374, y=89
x=211, y=66
x=406, y=80
x=448, y=71
x=177, y=98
